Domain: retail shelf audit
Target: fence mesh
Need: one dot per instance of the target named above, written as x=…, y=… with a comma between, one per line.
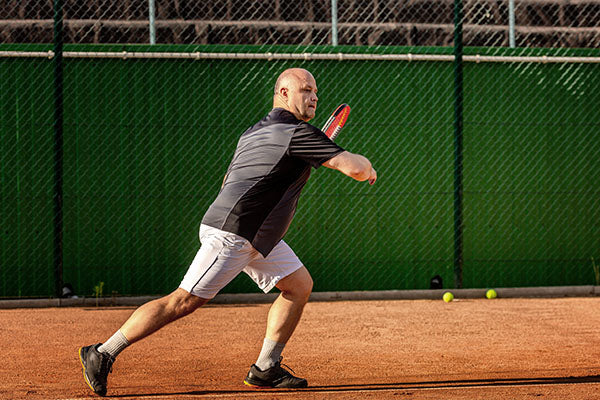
x=495, y=23
x=147, y=140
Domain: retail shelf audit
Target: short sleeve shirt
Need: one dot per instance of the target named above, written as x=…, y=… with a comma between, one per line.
x=270, y=166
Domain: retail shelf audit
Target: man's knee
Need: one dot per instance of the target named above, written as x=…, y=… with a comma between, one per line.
x=304, y=289
x=307, y=286
x=183, y=303
x=297, y=286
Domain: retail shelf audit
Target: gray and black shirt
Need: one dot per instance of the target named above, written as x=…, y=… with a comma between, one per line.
x=270, y=167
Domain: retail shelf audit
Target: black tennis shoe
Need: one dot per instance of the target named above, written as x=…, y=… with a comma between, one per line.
x=96, y=367
x=274, y=377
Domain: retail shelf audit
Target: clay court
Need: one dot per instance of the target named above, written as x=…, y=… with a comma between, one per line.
x=401, y=349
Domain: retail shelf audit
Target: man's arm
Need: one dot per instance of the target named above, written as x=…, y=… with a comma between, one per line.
x=354, y=165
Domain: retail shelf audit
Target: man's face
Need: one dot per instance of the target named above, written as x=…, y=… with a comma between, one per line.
x=302, y=97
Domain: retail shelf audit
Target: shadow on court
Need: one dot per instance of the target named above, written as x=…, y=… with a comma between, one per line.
x=462, y=383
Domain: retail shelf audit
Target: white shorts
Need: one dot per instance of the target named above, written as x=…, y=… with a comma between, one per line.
x=223, y=255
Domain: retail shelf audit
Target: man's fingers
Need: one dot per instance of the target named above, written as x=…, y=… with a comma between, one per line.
x=373, y=177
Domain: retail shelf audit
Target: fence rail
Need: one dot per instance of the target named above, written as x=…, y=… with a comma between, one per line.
x=300, y=56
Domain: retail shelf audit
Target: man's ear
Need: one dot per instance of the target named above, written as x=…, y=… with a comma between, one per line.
x=283, y=92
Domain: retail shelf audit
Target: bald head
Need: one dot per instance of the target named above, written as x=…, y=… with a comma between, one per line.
x=296, y=91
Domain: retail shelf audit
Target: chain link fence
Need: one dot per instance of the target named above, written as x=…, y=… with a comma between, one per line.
x=108, y=165
x=490, y=23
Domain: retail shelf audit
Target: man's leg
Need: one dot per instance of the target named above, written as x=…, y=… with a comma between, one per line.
x=97, y=359
x=283, y=318
x=155, y=314
x=223, y=255
x=286, y=310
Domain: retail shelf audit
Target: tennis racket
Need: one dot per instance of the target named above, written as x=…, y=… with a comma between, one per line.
x=336, y=121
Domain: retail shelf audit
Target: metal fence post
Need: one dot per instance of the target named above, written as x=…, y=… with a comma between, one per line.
x=458, y=146
x=58, y=146
x=151, y=12
x=334, y=28
x=511, y=23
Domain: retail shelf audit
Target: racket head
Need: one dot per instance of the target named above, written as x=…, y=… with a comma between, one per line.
x=336, y=121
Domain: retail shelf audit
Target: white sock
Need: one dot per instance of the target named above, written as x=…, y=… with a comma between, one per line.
x=116, y=344
x=269, y=355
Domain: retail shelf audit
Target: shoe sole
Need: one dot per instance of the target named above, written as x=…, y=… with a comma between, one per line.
x=83, y=366
x=253, y=386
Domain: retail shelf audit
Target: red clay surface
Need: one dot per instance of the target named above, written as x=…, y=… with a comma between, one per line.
x=417, y=349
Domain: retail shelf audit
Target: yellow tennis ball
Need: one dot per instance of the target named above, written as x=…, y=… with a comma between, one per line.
x=448, y=297
x=491, y=294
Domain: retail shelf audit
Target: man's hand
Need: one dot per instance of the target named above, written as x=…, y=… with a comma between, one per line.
x=373, y=176
x=354, y=165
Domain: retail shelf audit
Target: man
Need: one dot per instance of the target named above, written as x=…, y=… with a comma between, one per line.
x=243, y=230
